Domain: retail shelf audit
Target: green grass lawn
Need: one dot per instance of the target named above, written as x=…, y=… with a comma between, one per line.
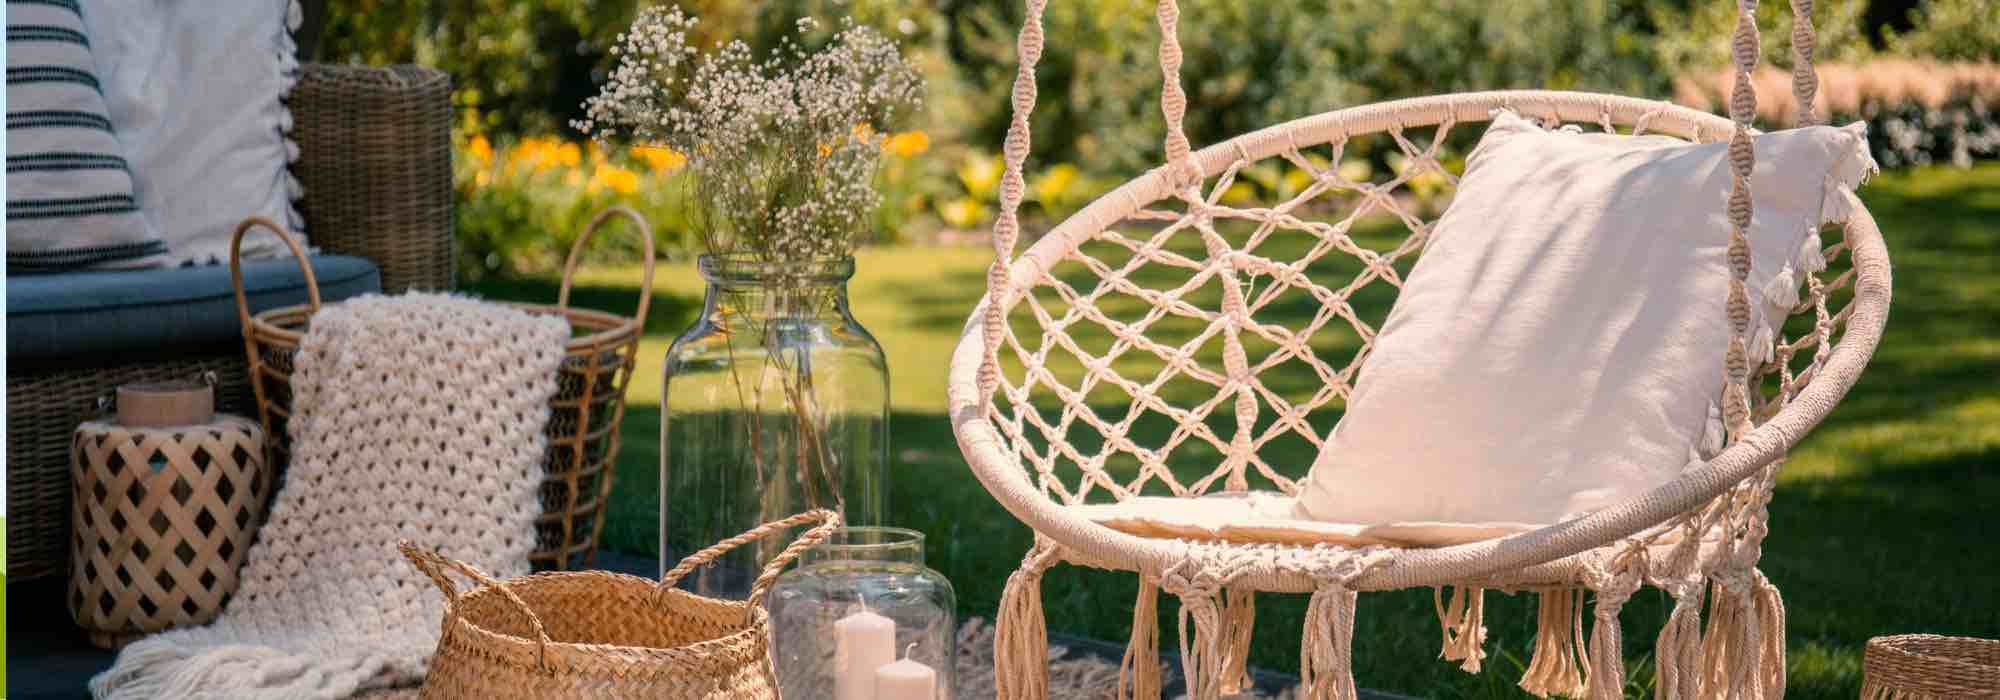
x=1880, y=523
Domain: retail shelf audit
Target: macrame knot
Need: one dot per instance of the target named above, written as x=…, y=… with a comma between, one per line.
x=1198, y=580
x=1733, y=581
x=1732, y=649
x=1614, y=581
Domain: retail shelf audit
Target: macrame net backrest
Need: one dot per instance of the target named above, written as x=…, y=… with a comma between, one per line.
x=1197, y=341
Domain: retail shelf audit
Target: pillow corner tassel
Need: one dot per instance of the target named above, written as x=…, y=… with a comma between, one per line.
x=1850, y=173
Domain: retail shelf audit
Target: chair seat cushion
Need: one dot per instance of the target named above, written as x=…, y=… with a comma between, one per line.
x=1559, y=346
x=1272, y=518
x=159, y=310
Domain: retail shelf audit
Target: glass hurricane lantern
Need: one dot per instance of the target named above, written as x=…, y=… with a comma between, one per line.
x=858, y=578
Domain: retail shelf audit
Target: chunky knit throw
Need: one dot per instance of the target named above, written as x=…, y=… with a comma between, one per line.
x=417, y=417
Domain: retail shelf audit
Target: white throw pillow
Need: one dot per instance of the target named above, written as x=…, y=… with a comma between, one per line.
x=1559, y=345
x=70, y=201
x=196, y=91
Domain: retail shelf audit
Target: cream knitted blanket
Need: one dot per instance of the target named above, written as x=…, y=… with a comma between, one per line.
x=419, y=416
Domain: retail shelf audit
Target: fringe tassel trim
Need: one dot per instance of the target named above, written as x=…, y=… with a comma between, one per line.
x=1239, y=620
x=1771, y=617
x=1678, y=650
x=1021, y=637
x=1556, y=667
x=1463, y=625
x=1201, y=648
x=1139, y=675
x=1326, y=663
x=1607, y=640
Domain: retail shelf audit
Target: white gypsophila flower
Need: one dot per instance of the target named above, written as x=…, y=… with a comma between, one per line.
x=781, y=152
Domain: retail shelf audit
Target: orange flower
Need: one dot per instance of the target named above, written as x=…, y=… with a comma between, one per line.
x=479, y=149
x=660, y=158
x=619, y=179
x=909, y=143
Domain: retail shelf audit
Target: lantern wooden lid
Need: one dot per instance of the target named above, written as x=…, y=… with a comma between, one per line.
x=165, y=404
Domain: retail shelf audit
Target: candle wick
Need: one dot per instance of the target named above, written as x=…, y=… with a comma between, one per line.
x=909, y=651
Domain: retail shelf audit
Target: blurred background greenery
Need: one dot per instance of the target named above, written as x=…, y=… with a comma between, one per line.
x=1880, y=521
x=522, y=69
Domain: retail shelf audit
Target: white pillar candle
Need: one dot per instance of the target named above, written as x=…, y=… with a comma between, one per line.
x=864, y=641
x=905, y=680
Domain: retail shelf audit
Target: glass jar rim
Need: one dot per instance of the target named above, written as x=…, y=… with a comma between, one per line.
x=889, y=543
x=747, y=268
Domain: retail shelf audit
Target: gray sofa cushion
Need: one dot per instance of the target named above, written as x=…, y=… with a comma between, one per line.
x=159, y=311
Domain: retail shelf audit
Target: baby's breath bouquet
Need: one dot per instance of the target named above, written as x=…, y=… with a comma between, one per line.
x=782, y=151
x=776, y=400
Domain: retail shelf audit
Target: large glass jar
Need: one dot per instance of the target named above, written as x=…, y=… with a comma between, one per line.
x=861, y=601
x=776, y=402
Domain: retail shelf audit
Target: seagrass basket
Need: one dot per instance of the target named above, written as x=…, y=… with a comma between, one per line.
x=1929, y=666
x=587, y=408
x=597, y=634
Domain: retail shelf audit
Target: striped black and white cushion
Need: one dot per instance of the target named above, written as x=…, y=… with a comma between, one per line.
x=70, y=202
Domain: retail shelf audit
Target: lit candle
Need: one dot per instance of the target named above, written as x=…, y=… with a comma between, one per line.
x=906, y=680
x=864, y=641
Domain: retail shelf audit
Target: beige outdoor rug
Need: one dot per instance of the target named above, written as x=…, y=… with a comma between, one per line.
x=1086, y=676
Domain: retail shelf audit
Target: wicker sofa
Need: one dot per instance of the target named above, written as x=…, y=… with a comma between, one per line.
x=375, y=159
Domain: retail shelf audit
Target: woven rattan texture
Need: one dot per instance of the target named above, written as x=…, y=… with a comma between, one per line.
x=588, y=407
x=44, y=404
x=162, y=518
x=621, y=638
x=364, y=196
x=597, y=634
x=1929, y=666
x=375, y=160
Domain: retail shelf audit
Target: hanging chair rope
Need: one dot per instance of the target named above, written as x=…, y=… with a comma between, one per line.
x=1805, y=80
x=1742, y=160
x=1173, y=100
x=1013, y=184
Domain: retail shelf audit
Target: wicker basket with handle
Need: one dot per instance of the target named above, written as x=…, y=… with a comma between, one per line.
x=1927, y=666
x=587, y=408
x=599, y=634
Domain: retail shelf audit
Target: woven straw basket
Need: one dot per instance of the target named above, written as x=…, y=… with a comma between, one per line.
x=596, y=634
x=588, y=405
x=1926, y=666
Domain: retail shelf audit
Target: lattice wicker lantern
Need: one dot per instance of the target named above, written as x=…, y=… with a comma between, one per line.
x=167, y=498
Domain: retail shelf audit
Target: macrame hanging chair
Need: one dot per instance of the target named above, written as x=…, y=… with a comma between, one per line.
x=1017, y=410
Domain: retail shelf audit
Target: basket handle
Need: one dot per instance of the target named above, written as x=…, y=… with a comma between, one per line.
x=583, y=239
x=828, y=522
x=434, y=564
x=236, y=266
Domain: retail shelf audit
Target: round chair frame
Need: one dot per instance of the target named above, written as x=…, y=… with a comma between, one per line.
x=1698, y=537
